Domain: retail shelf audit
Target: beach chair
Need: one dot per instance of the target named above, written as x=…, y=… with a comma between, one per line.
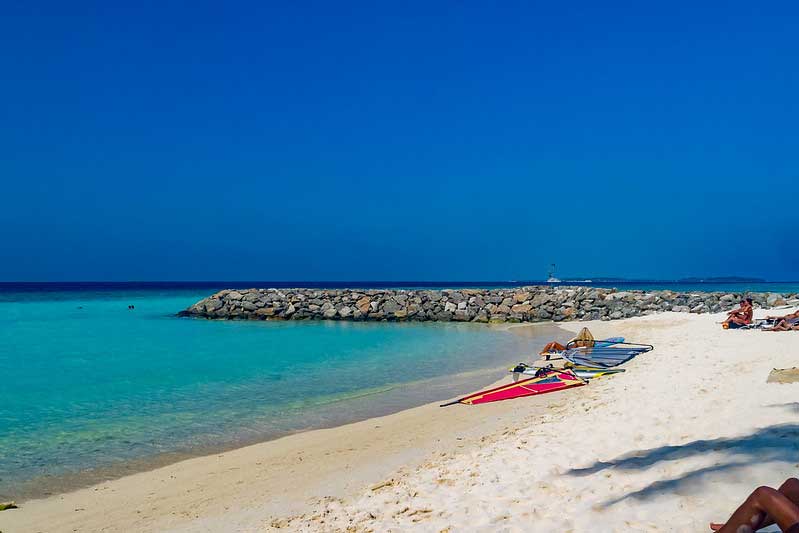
x=604, y=356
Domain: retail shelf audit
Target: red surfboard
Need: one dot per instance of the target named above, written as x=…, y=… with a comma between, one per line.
x=551, y=382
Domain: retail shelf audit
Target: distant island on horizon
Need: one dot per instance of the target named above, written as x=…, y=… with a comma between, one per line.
x=713, y=279
x=296, y=283
x=722, y=279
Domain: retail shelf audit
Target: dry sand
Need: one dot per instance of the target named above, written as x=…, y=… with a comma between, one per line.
x=676, y=441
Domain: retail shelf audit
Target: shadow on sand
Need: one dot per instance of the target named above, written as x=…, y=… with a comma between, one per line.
x=773, y=444
x=792, y=406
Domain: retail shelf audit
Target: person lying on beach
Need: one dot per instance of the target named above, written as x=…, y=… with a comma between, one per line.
x=552, y=348
x=583, y=338
x=784, y=323
x=740, y=317
x=766, y=506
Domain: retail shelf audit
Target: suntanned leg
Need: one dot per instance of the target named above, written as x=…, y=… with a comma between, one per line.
x=764, y=504
x=791, y=491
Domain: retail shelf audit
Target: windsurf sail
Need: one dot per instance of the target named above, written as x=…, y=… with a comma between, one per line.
x=582, y=372
x=585, y=372
x=606, y=356
x=549, y=381
x=610, y=341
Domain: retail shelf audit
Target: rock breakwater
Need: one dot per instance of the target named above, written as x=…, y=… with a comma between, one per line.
x=523, y=304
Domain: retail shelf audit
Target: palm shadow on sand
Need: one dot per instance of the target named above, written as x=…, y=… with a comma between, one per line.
x=773, y=444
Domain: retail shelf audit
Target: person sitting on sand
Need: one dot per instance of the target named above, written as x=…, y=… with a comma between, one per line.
x=766, y=506
x=584, y=339
x=784, y=323
x=738, y=318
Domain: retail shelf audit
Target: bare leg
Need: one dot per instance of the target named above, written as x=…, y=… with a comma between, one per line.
x=782, y=325
x=763, y=507
x=791, y=491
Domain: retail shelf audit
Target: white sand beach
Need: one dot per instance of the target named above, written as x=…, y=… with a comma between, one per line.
x=675, y=442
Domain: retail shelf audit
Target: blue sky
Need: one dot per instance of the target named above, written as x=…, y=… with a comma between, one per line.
x=398, y=141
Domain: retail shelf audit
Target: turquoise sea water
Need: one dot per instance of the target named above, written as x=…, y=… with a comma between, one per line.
x=90, y=387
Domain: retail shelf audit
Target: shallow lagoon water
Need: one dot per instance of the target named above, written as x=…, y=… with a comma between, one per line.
x=91, y=387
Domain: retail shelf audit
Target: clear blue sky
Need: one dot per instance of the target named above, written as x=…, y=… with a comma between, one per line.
x=398, y=140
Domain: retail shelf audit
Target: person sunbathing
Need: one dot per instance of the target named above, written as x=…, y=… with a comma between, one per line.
x=784, y=323
x=583, y=338
x=766, y=506
x=552, y=348
x=738, y=318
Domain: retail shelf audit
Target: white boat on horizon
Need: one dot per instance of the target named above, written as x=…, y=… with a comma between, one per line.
x=551, y=275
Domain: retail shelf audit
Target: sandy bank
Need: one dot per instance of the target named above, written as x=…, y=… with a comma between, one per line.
x=678, y=440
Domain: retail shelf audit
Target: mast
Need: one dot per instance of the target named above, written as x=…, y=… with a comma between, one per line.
x=552, y=278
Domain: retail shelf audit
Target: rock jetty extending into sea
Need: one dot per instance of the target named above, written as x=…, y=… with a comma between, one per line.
x=523, y=304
